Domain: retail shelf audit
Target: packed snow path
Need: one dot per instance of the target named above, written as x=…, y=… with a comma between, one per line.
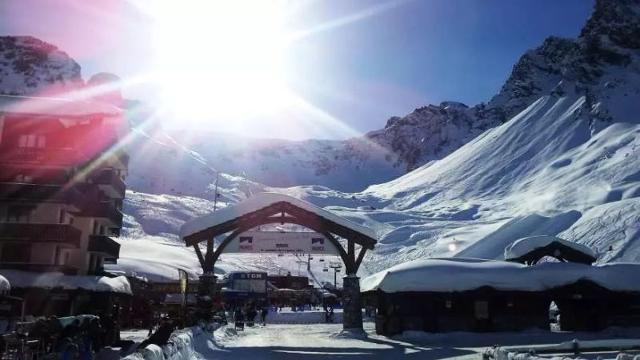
x=325, y=341
x=317, y=341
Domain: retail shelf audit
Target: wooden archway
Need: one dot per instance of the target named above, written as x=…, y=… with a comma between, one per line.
x=283, y=213
x=268, y=208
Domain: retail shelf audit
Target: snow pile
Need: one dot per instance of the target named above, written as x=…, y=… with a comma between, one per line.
x=460, y=274
x=569, y=348
x=156, y=258
x=526, y=245
x=261, y=201
x=53, y=280
x=5, y=286
x=179, y=347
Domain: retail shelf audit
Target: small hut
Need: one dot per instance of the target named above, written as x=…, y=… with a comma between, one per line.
x=455, y=294
x=598, y=296
x=58, y=294
x=458, y=294
x=593, y=298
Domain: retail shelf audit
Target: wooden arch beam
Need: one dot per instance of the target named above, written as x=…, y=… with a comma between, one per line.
x=211, y=260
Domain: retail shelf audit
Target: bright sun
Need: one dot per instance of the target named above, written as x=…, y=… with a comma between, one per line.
x=220, y=60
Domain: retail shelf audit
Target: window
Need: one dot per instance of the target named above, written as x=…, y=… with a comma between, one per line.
x=32, y=141
x=24, y=178
x=15, y=252
x=18, y=213
x=61, y=216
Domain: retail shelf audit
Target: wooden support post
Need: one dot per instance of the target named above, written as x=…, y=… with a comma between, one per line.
x=208, y=257
x=200, y=257
x=363, y=250
x=352, y=301
x=351, y=255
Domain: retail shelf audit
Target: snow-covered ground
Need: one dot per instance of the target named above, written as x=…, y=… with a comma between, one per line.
x=320, y=341
x=317, y=341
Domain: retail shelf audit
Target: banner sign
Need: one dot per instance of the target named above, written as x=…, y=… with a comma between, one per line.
x=184, y=282
x=277, y=242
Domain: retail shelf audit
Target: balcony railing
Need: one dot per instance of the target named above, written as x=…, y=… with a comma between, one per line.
x=29, y=192
x=106, y=210
x=105, y=245
x=60, y=233
x=65, y=269
x=42, y=156
x=109, y=182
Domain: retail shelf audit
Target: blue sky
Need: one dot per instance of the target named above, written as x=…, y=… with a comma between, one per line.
x=433, y=50
x=380, y=58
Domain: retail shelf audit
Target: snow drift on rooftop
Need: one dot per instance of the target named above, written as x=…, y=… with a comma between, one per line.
x=526, y=245
x=52, y=280
x=461, y=274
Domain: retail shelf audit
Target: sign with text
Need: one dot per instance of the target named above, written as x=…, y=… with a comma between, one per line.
x=253, y=282
x=276, y=242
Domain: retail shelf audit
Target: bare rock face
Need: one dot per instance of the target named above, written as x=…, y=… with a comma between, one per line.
x=430, y=132
x=616, y=21
x=29, y=66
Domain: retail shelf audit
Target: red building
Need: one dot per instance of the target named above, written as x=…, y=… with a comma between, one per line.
x=62, y=171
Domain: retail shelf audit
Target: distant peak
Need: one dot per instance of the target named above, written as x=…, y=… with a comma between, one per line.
x=453, y=104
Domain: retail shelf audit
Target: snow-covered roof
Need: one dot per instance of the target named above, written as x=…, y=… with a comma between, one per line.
x=51, y=280
x=526, y=245
x=261, y=201
x=5, y=286
x=462, y=274
x=54, y=106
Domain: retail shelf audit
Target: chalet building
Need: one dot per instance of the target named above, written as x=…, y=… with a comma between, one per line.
x=62, y=171
x=458, y=294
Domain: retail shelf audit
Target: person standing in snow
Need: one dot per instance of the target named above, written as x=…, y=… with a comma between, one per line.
x=238, y=318
x=263, y=315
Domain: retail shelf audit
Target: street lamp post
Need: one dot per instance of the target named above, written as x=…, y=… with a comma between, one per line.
x=336, y=269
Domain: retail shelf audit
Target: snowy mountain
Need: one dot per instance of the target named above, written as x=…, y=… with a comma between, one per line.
x=30, y=66
x=349, y=165
x=566, y=164
x=563, y=160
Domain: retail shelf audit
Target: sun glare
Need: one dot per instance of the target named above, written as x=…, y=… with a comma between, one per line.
x=220, y=60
